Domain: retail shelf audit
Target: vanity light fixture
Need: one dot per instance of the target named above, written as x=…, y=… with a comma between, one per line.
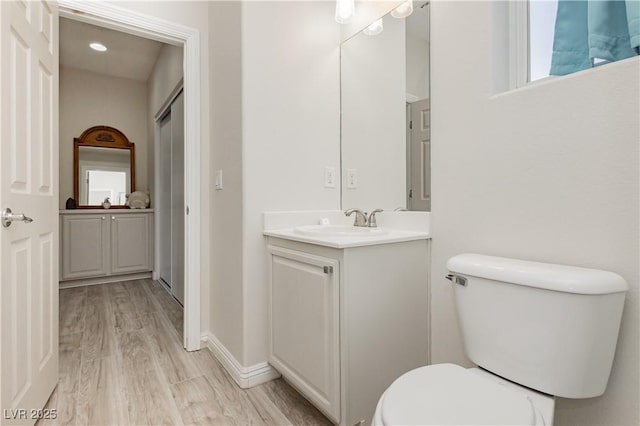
x=98, y=47
x=345, y=9
x=375, y=28
x=404, y=10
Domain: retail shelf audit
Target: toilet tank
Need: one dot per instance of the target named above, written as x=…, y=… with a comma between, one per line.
x=552, y=328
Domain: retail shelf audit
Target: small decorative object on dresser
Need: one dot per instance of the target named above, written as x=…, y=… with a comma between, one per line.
x=71, y=204
x=106, y=203
x=138, y=200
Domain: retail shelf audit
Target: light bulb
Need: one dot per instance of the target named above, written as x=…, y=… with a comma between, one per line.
x=345, y=9
x=375, y=28
x=404, y=10
x=98, y=46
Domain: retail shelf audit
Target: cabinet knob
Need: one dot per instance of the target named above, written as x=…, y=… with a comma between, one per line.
x=103, y=217
x=113, y=218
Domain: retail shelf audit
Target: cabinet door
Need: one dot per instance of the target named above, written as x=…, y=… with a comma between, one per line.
x=131, y=242
x=304, y=341
x=85, y=246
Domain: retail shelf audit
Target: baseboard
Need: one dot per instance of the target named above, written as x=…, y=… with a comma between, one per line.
x=104, y=280
x=245, y=377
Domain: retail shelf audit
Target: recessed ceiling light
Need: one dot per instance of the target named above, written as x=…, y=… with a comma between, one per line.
x=98, y=46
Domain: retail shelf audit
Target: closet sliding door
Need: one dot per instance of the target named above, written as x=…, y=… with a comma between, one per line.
x=171, y=214
x=164, y=200
x=177, y=198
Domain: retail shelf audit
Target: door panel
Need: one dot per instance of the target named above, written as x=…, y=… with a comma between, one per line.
x=420, y=161
x=29, y=185
x=130, y=243
x=164, y=202
x=177, y=198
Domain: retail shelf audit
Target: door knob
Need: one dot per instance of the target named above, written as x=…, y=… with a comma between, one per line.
x=8, y=217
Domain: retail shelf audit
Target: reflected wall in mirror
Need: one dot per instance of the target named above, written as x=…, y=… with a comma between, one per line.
x=104, y=167
x=385, y=134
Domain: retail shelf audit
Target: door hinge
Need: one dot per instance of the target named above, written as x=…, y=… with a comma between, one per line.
x=411, y=193
x=411, y=124
x=187, y=210
x=328, y=269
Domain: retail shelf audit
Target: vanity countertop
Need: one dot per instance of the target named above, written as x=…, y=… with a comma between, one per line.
x=103, y=211
x=349, y=241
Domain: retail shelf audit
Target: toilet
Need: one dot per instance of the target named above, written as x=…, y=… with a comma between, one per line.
x=535, y=330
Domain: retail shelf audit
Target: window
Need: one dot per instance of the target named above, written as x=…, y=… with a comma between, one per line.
x=542, y=22
x=591, y=33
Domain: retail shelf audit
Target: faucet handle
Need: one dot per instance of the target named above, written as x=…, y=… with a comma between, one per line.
x=371, y=223
x=361, y=217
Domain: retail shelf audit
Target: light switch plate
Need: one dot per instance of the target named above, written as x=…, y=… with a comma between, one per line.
x=352, y=178
x=219, y=179
x=329, y=177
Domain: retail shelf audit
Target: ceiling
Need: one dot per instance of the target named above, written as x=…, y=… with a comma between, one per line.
x=127, y=56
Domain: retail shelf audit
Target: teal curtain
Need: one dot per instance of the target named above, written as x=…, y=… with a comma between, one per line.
x=590, y=29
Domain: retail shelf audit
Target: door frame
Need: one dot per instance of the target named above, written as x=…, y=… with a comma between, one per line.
x=128, y=21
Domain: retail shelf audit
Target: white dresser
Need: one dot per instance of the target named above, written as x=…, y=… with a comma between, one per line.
x=99, y=245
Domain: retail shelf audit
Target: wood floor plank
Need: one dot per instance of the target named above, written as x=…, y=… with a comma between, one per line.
x=101, y=394
x=269, y=412
x=166, y=304
x=174, y=361
x=143, y=303
x=199, y=404
x=293, y=405
x=148, y=397
x=99, y=335
x=235, y=401
x=72, y=301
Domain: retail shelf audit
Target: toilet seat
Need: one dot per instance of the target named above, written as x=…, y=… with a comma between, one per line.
x=450, y=394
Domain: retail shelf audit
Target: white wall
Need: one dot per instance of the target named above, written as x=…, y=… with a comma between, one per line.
x=417, y=59
x=290, y=132
x=547, y=173
x=226, y=298
x=88, y=99
x=193, y=14
x=373, y=86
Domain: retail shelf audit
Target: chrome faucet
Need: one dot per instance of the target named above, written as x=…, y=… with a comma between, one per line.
x=371, y=222
x=362, y=219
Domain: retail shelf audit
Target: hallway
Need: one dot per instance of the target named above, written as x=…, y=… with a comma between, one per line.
x=122, y=363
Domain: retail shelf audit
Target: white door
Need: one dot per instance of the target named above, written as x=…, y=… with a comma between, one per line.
x=164, y=196
x=28, y=185
x=420, y=156
x=177, y=198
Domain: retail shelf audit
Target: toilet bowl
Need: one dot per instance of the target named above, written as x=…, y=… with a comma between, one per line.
x=536, y=330
x=447, y=394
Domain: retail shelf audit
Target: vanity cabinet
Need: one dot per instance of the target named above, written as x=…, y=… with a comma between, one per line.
x=345, y=323
x=305, y=326
x=104, y=243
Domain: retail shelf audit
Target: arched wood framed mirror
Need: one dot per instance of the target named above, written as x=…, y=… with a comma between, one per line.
x=103, y=167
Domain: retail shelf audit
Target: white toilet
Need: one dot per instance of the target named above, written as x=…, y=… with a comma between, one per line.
x=536, y=331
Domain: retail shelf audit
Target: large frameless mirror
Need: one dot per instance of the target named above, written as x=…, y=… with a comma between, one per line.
x=385, y=131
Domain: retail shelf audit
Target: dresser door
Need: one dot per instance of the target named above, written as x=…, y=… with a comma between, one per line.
x=85, y=245
x=131, y=242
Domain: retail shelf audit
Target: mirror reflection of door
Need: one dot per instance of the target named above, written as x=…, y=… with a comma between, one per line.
x=102, y=184
x=419, y=158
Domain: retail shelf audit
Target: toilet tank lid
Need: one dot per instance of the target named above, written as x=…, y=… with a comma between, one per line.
x=567, y=279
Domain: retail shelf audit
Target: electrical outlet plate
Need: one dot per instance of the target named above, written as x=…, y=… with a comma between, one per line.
x=352, y=178
x=329, y=177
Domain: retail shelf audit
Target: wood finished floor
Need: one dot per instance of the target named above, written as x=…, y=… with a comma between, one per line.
x=122, y=363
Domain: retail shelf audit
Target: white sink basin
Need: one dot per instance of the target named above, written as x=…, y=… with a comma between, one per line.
x=339, y=231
